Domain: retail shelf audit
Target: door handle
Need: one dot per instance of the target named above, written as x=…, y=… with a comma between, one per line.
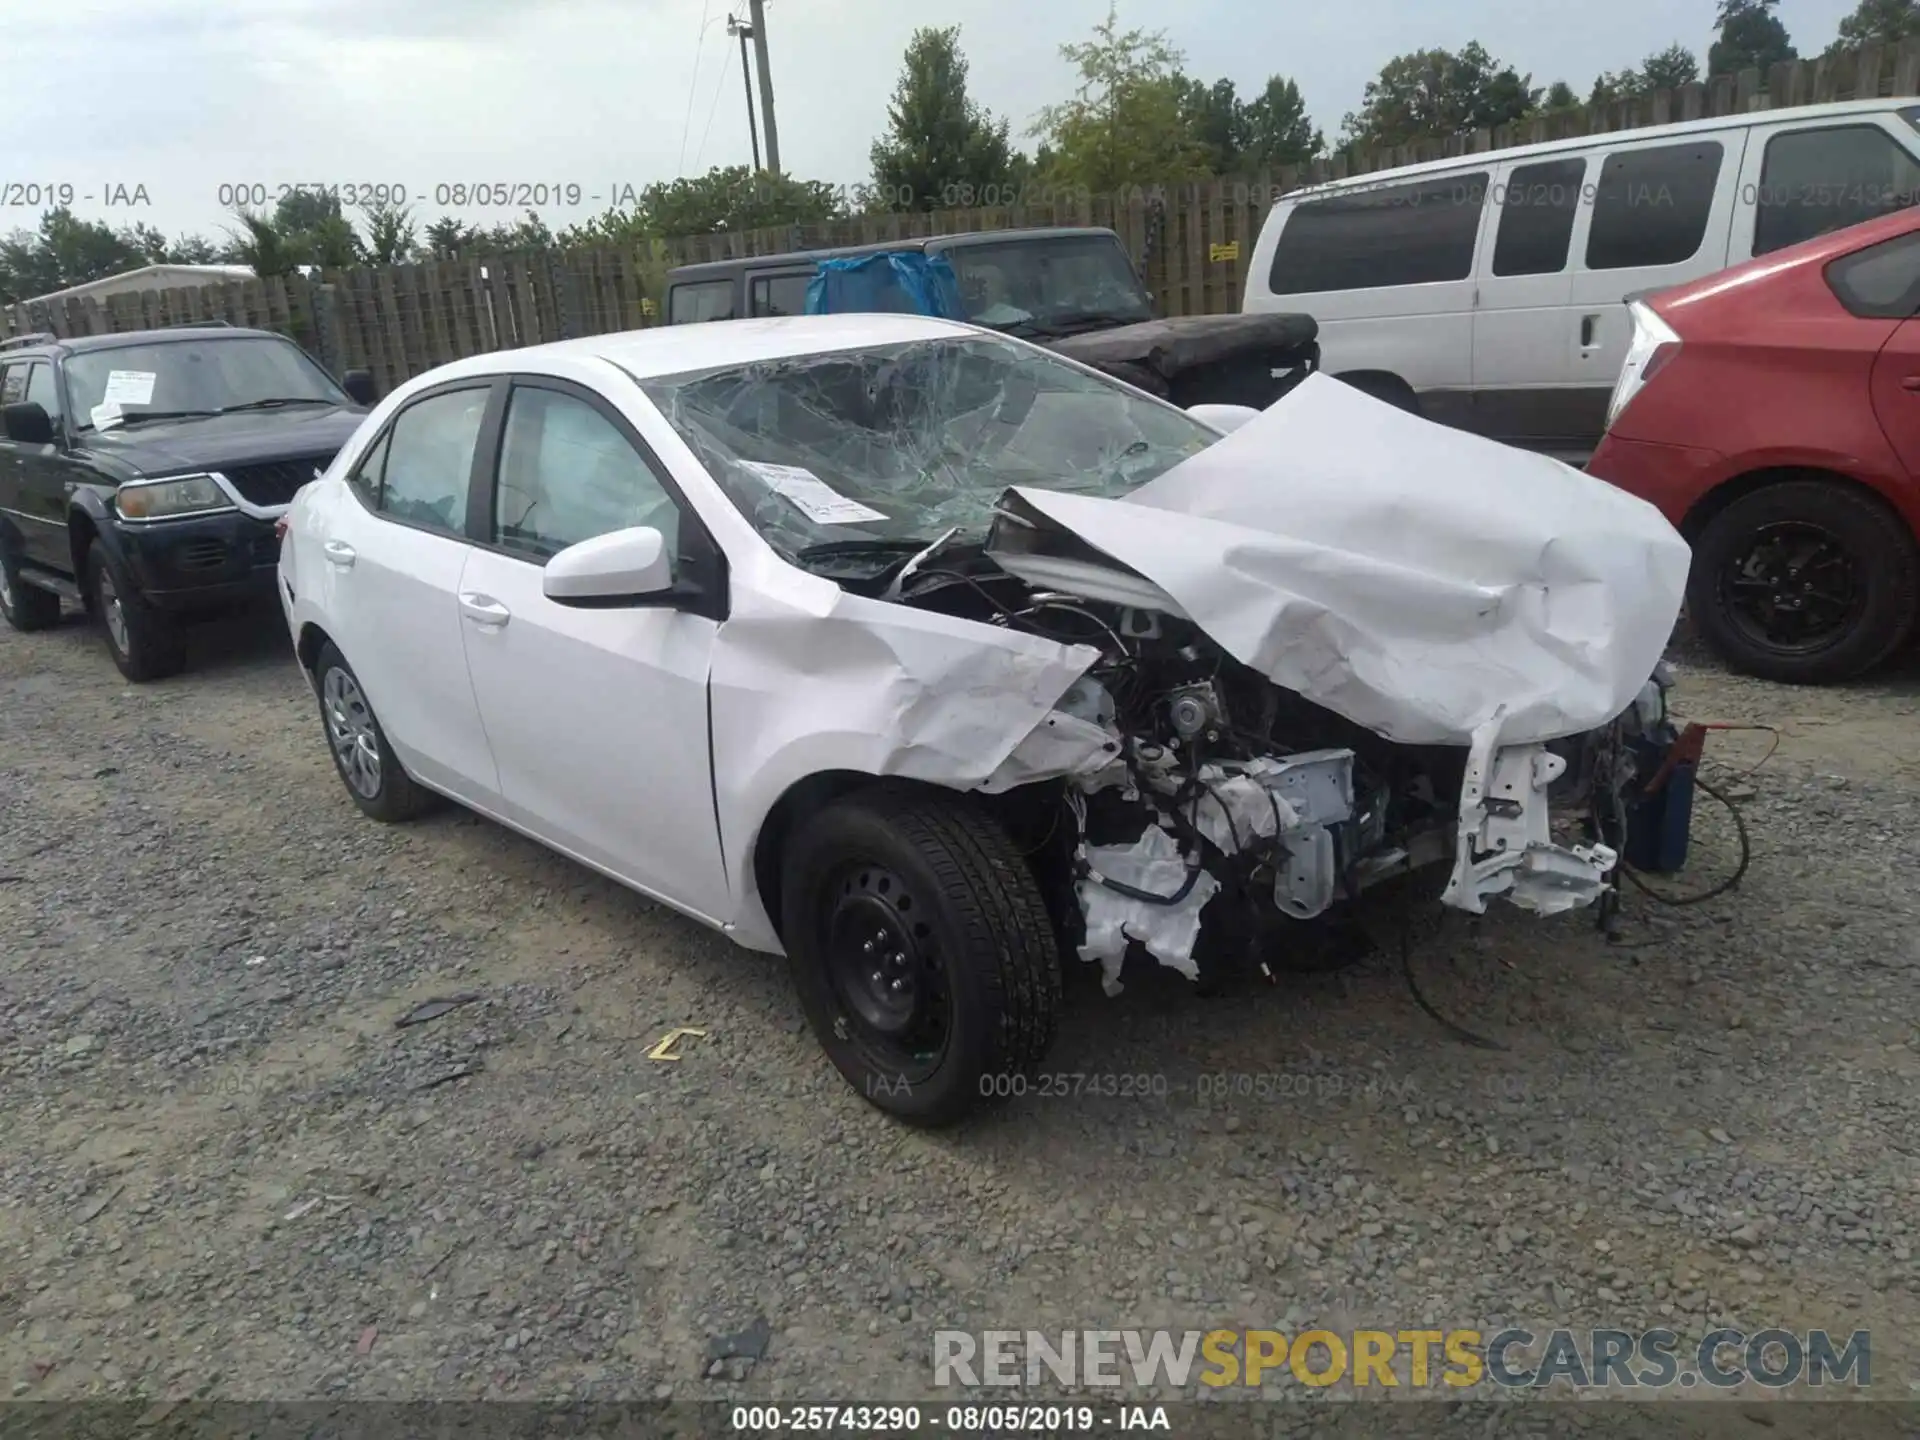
x=1912, y=382
x=1588, y=323
x=484, y=610
x=338, y=552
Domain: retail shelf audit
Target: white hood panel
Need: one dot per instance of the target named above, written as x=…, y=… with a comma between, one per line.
x=1411, y=577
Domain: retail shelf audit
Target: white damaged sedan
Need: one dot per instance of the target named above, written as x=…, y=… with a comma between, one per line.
x=935, y=660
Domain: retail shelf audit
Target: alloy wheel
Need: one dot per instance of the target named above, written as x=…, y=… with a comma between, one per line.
x=1794, y=588
x=114, y=612
x=351, y=732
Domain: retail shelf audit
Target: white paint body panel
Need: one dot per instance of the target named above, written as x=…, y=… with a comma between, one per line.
x=652, y=744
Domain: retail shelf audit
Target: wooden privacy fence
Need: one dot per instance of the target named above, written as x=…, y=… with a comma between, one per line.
x=1192, y=242
x=397, y=321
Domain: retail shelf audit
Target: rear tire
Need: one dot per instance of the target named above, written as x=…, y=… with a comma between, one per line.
x=921, y=949
x=26, y=607
x=1743, y=570
x=144, y=643
x=362, y=758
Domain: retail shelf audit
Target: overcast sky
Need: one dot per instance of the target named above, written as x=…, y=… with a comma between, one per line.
x=184, y=96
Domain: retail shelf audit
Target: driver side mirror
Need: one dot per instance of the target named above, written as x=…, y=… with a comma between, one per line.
x=624, y=567
x=359, y=387
x=28, y=422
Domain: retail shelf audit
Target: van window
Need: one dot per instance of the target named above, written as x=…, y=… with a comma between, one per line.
x=1414, y=234
x=1536, y=217
x=1881, y=282
x=702, y=300
x=780, y=294
x=1814, y=181
x=1650, y=206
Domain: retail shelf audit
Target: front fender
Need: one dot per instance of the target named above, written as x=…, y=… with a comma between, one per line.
x=866, y=687
x=90, y=517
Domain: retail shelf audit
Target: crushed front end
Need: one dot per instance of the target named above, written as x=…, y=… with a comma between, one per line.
x=1207, y=812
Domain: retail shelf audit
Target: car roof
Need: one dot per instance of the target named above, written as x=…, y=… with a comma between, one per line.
x=678, y=349
x=81, y=344
x=1574, y=144
x=724, y=269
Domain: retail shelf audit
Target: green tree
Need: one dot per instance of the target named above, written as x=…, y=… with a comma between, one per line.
x=197, y=250
x=1749, y=34
x=1669, y=69
x=1877, y=22
x=1125, y=125
x=391, y=238
x=66, y=250
x=734, y=197
x=1277, y=127
x=1560, y=96
x=940, y=147
x=1666, y=69
x=450, y=238
x=1214, y=118
x=1437, y=94
x=260, y=244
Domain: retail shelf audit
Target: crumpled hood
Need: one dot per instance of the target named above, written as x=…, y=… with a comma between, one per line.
x=1414, y=578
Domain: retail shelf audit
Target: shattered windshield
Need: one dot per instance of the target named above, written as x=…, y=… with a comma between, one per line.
x=1048, y=286
x=894, y=445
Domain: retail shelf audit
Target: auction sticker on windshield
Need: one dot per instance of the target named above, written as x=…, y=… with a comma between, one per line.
x=105, y=415
x=129, y=387
x=811, y=495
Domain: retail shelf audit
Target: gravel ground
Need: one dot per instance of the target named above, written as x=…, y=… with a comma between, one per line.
x=227, y=1172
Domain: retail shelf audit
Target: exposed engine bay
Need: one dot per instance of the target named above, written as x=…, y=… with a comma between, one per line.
x=1224, y=815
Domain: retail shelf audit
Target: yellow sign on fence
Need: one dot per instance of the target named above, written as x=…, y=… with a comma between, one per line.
x=1217, y=252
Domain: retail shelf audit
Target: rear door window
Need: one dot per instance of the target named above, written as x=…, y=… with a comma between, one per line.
x=1650, y=206
x=1414, y=234
x=1537, y=210
x=701, y=300
x=1814, y=181
x=780, y=294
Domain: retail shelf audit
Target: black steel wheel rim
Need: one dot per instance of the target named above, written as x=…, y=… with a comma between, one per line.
x=1794, y=588
x=882, y=960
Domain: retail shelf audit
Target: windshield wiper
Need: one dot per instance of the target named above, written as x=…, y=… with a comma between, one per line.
x=127, y=417
x=276, y=400
x=1070, y=320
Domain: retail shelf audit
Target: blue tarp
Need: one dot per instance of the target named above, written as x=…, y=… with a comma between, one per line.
x=897, y=281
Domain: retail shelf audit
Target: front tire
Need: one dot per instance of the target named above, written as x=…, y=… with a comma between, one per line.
x=1806, y=582
x=26, y=607
x=362, y=758
x=145, y=644
x=921, y=949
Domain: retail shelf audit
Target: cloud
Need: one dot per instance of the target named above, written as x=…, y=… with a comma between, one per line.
x=185, y=96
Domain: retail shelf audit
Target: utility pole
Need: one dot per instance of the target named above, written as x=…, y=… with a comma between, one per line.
x=757, y=11
x=736, y=27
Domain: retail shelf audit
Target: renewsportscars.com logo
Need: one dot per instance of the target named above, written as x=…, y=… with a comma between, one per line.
x=1512, y=1358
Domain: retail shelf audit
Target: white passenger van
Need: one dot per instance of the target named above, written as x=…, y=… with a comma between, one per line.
x=1507, y=318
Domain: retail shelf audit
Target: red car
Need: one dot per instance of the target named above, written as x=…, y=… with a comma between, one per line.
x=1772, y=413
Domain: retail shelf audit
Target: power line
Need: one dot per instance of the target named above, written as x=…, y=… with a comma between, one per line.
x=712, y=110
x=699, y=44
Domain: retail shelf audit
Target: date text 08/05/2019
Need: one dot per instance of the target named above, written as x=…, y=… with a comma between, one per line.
x=958, y=1419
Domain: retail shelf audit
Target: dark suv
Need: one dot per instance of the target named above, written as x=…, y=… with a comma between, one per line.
x=1073, y=290
x=141, y=475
